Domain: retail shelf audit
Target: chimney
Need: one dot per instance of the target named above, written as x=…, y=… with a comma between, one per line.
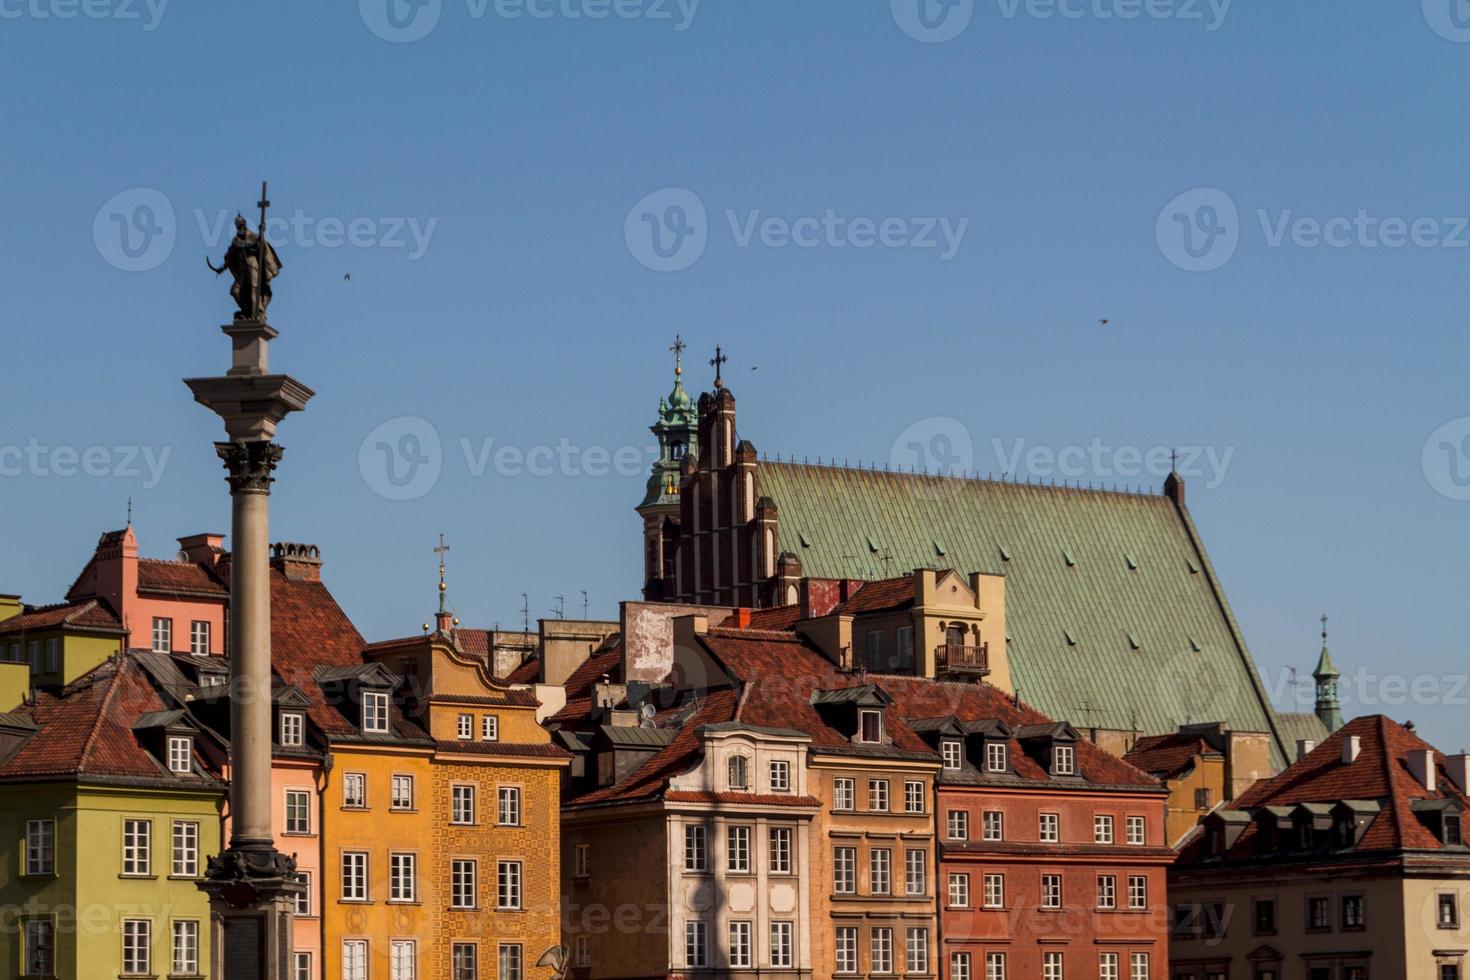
x=741, y=619
x=1304, y=747
x=202, y=549
x=10, y=606
x=1421, y=764
x=298, y=562
x=1459, y=770
x=1351, y=746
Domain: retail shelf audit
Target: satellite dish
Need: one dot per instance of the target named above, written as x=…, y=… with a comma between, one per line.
x=649, y=711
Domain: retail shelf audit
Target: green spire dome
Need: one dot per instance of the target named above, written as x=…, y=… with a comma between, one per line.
x=1329, y=706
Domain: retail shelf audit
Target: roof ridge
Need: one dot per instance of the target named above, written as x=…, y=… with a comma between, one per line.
x=102, y=711
x=856, y=467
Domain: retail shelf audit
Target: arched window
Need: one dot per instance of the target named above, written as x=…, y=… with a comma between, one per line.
x=739, y=772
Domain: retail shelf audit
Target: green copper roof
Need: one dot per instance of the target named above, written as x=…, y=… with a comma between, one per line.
x=1114, y=616
x=1326, y=669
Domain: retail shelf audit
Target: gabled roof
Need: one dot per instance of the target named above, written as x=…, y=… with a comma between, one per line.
x=1136, y=569
x=180, y=578
x=1168, y=756
x=867, y=695
x=884, y=594
x=86, y=614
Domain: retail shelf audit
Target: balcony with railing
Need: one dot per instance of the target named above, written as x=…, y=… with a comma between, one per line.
x=963, y=659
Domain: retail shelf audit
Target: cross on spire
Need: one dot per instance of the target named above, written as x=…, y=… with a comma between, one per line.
x=440, y=551
x=1324, y=627
x=678, y=349
x=718, y=362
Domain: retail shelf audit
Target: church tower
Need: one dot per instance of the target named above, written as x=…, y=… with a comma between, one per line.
x=677, y=431
x=1329, y=708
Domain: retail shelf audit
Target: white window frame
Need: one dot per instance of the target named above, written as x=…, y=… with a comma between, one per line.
x=1050, y=828
x=997, y=757
x=957, y=825
x=1138, y=892
x=1107, y=891
x=741, y=941
x=199, y=637
x=783, y=944
x=737, y=849
x=915, y=871
x=464, y=961
x=354, y=800
x=1102, y=828
x=303, y=897
x=1051, y=891
x=292, y=733
x=40, y=844
x=375, y=712
x=463, y=804
x=1136, y=829
x=995, y=891
x=916, y=948
x=1138, y=966
x=511, y=961
x=959, y=966
x=301, y=966
x=779, y=772
x=844, y=794
x=355, y=880
x=696, y=944
x=845, y=943
x=508, y=806
x=880, y=871
x=1063, y=760
x=137, y=947
x=1053, y=966
x=844, y=870
x=464, y=883
x=995, y=966
x=298, y=811
x=508, y=886
x=354, y=959
x=582, y=951
x=913, y=796
x=959, y=890
x=53, y=655
x=184, y=940
x=993, y=825
x=185, y=839
x=400, y=792
x=781, y=846
x=696, y=849
x=1107, y=966
x=403, y=874
x=737, y=772
x=399, y=966
x=878, y=795
x=137, y=848
x=876, y=717
x=181, y=755
x=466, y=728
x=953, y=753
x=489, y=728
x=880, y=951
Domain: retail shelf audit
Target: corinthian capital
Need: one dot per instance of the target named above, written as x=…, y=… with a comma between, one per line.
x=250, y=464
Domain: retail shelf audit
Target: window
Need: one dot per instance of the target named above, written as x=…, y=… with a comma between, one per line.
x=464, y=961
x=871, y=729
x=844, y=870
x=1263, y=916
x=737, y=850
x=354, y=959
x=917, y=949
x=696, y=944
x=298, y=811
x=180, y=754
x=508, y=885
x=780, y=771
x=40, y=953
x=994, y=825
x=1063, y=760
x=401, y=797
x=916, y=872
x=1319, y=914
x=33, y=650
x=878, y=795
x=782, y=952
x=464, y=885
x=374, y=711
x=1353, y=912
x=882, y=951
x=1452, y=829
x=875, y=650
x=163, y=635
x=466, y=727
x=1137, y=966
x=402, y=872
x=1102, y=829
x=913, y=796
x=1448, y=915
x=1138, y=891
x=1051, y=891
x=199, y=637
x=354, y=876
x=1051, y=966
x=303, y=897
x=995, y=966
x=137, y=847
x=739, y=772
x=1447, y=971
x=462, y=804
x=1107, y=966
x=137, y=942
x=354, y=790
x=959, y=966
x=1135, y=831
x=402, y=959
x=847, y=949
x=740, y=944
x=880, y=871
x=1107, y=891
x=959, y=891
x=953, y=753
x=1051, y=828
x=995, y=891
x=293, y=729
x=582, y=952
x=905, y=645
x=696, y=850
x=995, y=757
x=1202, y=798
x=40, y=847
x=186, y=849
x=53, y=655
x=510, y=962
x=844, y=794
x=780, y=843
x=957, y=825
x=186, y=947
x=508, y=806
x=490, y=728
x=582, y=861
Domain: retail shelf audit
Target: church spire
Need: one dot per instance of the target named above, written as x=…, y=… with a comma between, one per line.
x=443, y=619
x=1329, y=707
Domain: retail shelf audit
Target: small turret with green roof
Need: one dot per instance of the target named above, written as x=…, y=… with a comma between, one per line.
x=1329, y=707
x=677, y=431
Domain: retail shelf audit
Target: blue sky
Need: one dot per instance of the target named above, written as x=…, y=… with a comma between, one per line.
x=496, y=172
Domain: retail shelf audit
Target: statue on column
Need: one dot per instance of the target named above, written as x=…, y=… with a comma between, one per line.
x=253, y=263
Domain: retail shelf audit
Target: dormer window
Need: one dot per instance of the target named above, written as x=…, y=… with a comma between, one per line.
x=490, y=728
x=780, y=776
x=375, y=712
x=1453, y=835
x=180, y=754
x=739, y=772
x=870, y=727
x=953, y=753
x=293, y=729
x=997, y=758
x=1063, y=760
x=1304, y=837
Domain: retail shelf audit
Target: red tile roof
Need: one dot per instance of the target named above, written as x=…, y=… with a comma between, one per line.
x=87, y=614
x=775, y=618
x=1167, y=755
x=538, y=750
x=179, y=578
x=750, y=799
x=889, y=593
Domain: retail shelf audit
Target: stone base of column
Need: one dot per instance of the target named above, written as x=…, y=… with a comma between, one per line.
x=252, y=899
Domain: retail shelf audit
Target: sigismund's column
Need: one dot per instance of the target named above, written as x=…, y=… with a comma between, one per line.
x=252, y=887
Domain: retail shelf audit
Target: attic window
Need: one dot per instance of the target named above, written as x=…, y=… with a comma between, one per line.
x=293, y=729
x=1132, y=562
x=872, y=545
x=938, y=549
x=1004, y=554
x=375, y=712
x=952, y=752
x=180, y=754
x=996, y=757
x=1071, y=562
x=1452, y=830
x=870, y=728
x=1063, y=760
x=739, y=772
